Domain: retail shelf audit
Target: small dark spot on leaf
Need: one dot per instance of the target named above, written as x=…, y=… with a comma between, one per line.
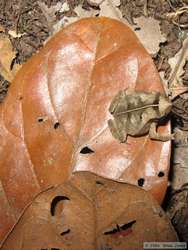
x=161, y=174
x=128, y=225
x=141, y=182
x=65, y=232
x=55, y=201
x=99, y=183
x=86, y=150
x=137, y=28
x=119, y=228
x=56, y=125
x=97, y=15
x=113, y=231
x=20, y=98
x=40, y=119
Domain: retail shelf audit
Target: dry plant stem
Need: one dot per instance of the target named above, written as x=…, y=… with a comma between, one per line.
x=146, y=8
x=175, y=82
x=175, y=15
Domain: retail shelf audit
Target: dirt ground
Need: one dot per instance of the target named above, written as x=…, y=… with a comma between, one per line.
x=33, y=22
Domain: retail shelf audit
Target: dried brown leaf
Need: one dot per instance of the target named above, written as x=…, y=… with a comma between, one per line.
x=95, y=3
x=110, y=8
x=149, y=33
x=90, y=212
x=82, y=13
x=54, y=119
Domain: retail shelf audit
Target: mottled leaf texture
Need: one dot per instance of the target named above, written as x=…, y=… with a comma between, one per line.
x=89, y=212
x=54, y=120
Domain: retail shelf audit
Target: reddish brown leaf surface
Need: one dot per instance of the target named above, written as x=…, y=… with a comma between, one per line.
x=57, y=108
x=89, y=212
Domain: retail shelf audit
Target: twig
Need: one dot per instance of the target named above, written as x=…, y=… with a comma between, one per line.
x=175, y=15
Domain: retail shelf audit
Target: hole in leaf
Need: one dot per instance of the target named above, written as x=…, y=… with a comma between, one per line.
x=119, y=228
x=65, y=232
x=137, y=28
x=55, y=201
x=113, y=231
x=86, y=150
x=40, y=119
x=99, y=183
x=141, y=182
x=128, y=225
x=56, y=125
x=161, y=174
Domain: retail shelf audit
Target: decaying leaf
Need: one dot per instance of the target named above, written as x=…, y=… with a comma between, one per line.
x=50, y=14
x=177, y=211
x=180, y=110
x=82, y=13
x=180, y=160
x=95, y=3
x=90, y=212
x=4, y=84
x=57, y=112
x=148, y=31
x=109, y=8
x=180, y=174
x=176, y=86
x=7, y=55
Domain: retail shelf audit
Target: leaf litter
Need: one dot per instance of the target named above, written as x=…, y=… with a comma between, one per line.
x=29, y=27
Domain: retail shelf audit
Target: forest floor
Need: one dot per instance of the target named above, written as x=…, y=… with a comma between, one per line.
x=162, y=27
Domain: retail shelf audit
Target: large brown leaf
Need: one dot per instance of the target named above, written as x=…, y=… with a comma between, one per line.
x=89, y=212
x=54, y=119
